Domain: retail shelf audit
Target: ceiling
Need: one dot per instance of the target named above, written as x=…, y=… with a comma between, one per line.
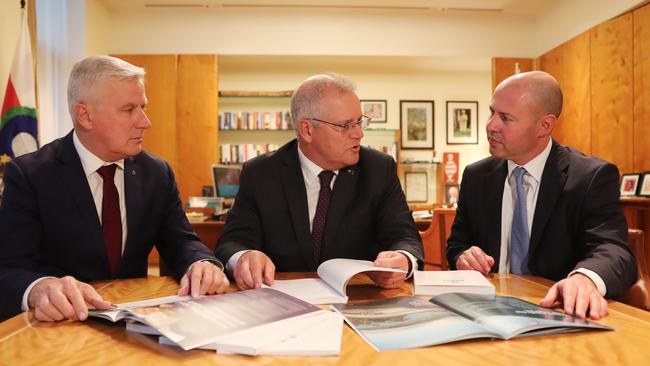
x=507, y=7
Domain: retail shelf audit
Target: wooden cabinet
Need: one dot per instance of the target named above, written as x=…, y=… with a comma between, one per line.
x=182, y=106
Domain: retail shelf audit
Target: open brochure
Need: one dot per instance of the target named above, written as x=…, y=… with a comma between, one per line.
x=330, y=287
x=441, y=282
x=194, y=322
x=411, y=322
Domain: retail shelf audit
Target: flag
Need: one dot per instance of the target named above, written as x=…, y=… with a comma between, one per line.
x=18, y=131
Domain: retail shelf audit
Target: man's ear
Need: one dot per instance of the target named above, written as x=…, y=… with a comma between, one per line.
x=305, y=130
x=547, y=124
x=82, y=116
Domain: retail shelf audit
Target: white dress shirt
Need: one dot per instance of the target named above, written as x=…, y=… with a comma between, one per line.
x=310, y=172
x=532, y=182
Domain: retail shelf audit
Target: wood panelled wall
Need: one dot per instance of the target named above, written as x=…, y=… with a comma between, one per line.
x=641, y=59
x=605, y=76
x=605, y=73
x=182, y=106
x=504, y=67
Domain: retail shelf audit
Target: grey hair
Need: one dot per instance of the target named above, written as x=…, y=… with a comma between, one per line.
x=95, y=68
x=305, y=102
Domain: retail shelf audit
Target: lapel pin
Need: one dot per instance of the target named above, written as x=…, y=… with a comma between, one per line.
x=351, y=171
x=133, y=172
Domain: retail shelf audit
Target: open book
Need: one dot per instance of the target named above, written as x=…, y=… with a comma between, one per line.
x=330, y=287
x=411, y=322
x=194, y=322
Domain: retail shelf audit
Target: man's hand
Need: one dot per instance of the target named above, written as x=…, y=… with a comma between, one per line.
x=476, y=259
x=56, y=299
x=577, y=293
x=203, y=278
x=391, y=259
x=253, y=268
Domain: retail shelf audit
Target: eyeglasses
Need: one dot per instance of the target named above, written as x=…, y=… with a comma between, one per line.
x=362, y=122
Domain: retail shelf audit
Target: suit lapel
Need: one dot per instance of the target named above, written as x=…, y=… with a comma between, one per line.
x=494, y=182
x=342, y=195
x=296, y=197
x=133, y=200
x=553, y=180
x=77, y=184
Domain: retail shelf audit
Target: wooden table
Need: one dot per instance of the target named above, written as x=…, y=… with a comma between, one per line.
x=25, y=341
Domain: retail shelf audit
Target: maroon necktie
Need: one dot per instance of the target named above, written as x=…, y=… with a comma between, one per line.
x=111, y=218
x=324, y=198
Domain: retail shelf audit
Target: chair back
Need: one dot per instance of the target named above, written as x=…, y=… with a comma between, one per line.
x=434, y=239
x=639, y=294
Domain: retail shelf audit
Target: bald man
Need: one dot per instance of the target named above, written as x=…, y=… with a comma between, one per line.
x=537, y=207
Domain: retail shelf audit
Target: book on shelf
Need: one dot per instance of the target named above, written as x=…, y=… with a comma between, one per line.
x=256, y=120
x=412, y=322
x=330, y=287
x=241, y=153
x=314, y=334
x=194, y=322
x=442, y=282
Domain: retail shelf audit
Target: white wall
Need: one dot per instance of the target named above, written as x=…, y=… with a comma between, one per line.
x=389, y=78
x=10, y=16
x=570, y=18
x=240, y=31
x=97, y=28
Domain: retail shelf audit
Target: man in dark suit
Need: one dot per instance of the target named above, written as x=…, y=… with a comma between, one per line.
x=91, y=205
x=319, y=197
x=568, y=226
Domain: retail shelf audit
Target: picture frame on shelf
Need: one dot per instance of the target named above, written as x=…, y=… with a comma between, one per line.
x=376, y=109
x=416, y=186
x=462, y=122
x=630, y=184
x=416, y=124
x=644, y=185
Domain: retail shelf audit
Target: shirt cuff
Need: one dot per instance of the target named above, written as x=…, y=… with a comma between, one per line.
x=414, y=262
x=25, y=304
x=594, y=277
x=232, y=262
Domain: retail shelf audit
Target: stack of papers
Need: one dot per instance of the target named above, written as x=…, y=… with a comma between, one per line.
x=260, y=321
x=442, y=282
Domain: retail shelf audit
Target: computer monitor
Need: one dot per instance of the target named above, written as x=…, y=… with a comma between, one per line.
x=226, y=180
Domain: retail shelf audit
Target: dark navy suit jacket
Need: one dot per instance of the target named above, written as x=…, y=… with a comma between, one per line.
x=49, y=224
x=368, y=212
x=578, y=221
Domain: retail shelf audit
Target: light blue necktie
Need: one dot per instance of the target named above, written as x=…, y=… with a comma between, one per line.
x=519, y=236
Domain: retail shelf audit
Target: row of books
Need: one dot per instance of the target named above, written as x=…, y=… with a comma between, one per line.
x=280, y=120
x=241, y=153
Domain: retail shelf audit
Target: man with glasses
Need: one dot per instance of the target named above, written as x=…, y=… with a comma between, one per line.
x=320, y=196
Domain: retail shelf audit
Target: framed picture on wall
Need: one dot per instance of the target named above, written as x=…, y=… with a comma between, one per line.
x=644, y=185
x=629, y=184
x=375, y=109
x=416, y=186
x=416, y=124
x=462, y=123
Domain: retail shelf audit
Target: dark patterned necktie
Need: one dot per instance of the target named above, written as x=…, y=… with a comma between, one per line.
x=111, y=218
x=324, y=198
